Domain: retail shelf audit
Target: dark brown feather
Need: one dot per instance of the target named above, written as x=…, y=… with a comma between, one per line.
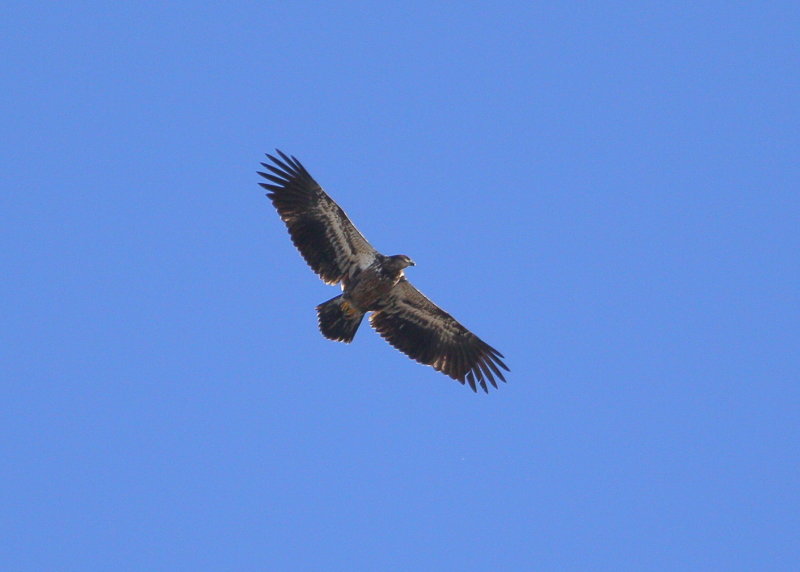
x=330, y=244
x=424, y=332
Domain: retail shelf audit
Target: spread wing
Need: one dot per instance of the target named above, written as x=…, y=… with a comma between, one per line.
x=320, y=229
x=426, y=333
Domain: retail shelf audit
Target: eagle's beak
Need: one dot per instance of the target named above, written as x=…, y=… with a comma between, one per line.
x=411, y=262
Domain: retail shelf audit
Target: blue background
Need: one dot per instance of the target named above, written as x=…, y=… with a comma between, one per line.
x=607, y=193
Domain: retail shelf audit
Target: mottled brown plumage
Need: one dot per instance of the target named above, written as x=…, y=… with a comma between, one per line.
x=372, y=282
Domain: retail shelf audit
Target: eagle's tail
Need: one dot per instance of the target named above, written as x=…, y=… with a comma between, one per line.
x=338, y=319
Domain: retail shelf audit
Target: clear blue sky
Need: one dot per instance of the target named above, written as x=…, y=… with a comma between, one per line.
x=607, y=194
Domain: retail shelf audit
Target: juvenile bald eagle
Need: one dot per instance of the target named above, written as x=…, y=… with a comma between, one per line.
x=371, y=282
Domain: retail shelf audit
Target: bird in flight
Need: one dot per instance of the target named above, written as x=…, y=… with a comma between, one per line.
x=372, y=282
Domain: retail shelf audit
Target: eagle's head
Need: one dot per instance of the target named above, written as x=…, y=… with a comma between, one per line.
x=399, y=261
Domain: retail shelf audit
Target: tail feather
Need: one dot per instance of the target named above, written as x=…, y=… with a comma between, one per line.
x=338, y=319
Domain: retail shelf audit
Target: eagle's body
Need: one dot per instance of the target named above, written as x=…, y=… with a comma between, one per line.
x=369, y=287
x=367, y=290
x=372, y=282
